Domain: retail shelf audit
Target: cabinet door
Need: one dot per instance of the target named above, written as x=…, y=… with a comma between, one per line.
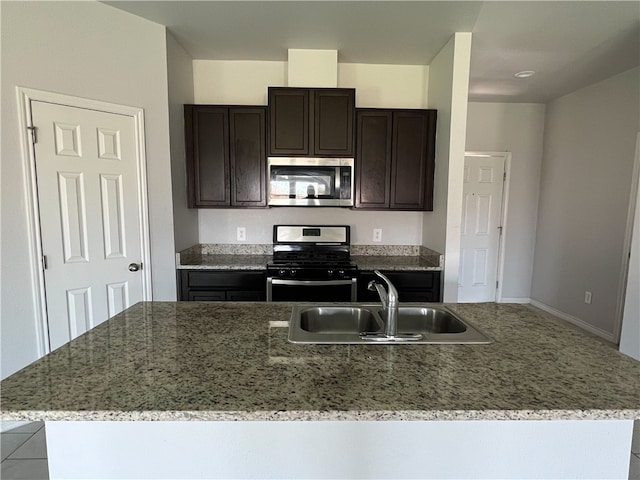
x=239, y=285
x=207, y=148
x=333, y=122
x=373, y=158
x=412, y=163
x=412, y=286
x=289, y=121
x=247, y=156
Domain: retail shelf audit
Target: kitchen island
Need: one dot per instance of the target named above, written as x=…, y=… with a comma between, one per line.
x=164, y=379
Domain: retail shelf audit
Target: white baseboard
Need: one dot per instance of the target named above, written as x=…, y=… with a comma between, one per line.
x=574, y=320
x=514, y=300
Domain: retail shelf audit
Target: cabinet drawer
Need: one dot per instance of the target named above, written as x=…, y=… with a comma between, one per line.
x=247, y=296
x=206, y=296
x=226, y=279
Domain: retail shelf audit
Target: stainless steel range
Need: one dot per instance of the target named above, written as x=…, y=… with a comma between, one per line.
x=311, y=263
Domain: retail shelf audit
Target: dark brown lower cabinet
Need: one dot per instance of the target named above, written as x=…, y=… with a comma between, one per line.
x=412, y=286
x=222, y=285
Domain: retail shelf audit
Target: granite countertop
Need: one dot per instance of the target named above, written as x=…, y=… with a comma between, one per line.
x=223, y=262
x=395, y=263
x=256, y=257
x=231, y=361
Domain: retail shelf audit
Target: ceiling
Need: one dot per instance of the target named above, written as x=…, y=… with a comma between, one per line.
x=570, y=44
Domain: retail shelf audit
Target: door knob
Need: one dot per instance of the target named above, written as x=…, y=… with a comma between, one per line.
x=134, y=267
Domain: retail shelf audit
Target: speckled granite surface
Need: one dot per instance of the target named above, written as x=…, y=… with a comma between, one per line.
x=255, y=257
x=222, y=262
x=231, y=361
x=413, y=263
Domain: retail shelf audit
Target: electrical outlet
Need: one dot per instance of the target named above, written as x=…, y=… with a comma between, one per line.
x=587, y=297
x=242, y=234
x=377, y=234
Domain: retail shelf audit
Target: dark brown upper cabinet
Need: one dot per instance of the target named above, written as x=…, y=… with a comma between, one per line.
x=395, y=159
x=310, y=122
x=226, y=156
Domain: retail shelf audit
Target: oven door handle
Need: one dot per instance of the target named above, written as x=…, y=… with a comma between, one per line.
x=277, y=281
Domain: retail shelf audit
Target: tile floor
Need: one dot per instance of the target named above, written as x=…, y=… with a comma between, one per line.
x=24, y=453
x=634, y=469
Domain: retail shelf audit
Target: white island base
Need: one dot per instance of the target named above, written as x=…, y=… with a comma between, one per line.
x=551, y=449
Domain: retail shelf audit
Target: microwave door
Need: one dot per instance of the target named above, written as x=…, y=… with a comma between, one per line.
x=293, y=186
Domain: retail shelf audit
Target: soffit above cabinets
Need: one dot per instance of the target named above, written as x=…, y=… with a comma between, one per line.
x=570, y=44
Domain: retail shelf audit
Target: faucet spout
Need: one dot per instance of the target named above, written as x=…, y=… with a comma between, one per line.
x=389, y=300
x=382, y=293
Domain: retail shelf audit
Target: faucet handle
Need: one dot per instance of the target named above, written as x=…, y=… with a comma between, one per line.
x=372, y=285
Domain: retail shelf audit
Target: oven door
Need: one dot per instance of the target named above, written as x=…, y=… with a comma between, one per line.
x=279, y=290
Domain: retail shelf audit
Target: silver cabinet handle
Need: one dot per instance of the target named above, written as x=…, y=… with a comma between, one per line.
x=134, y=267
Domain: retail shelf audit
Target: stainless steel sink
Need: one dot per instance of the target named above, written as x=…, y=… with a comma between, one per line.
x=427, y=319
x=339, y=320
x=356, y=324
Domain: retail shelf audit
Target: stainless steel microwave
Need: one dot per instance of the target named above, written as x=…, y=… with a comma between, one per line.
x=311, y=182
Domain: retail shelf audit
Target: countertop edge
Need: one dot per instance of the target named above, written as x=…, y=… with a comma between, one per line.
x=350, y=415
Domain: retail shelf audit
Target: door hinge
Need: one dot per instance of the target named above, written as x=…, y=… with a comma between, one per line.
x=34, y=135
x=504, y=177
x=497, y=283
x=44, y=262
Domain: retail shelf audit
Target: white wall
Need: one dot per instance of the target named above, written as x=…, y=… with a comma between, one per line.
x=246, y=83
x=180, y=83
x=90, y=50
x=236, y=82
x=312, y=68
x=630, y=335
x=448, y=92
x=398, y=228
x=542, y=449
x=589, y=148
x=386, y=86
x=517, y=128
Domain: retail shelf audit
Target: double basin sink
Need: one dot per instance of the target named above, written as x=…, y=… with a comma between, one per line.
x=365, y=323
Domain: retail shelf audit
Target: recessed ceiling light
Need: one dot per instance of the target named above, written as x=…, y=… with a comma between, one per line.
x=524, y=74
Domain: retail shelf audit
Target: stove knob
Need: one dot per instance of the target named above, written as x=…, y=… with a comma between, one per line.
x=341, y=273
x=292, y=272
x=282, y=273
x=330, y=273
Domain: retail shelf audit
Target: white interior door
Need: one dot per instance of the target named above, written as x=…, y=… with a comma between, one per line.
x=86, y=169
x=481, y=227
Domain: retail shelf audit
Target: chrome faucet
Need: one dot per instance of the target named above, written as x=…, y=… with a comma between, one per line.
x=389, y=301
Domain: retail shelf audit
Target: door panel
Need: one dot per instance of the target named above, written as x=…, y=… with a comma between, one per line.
x=289, y=121
x=480, y=228
x=87, y=175
x=210, y=160
x=408, y=169
x=248, y=156
x=112, y=215
x=373, y=177
x=73, y=218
